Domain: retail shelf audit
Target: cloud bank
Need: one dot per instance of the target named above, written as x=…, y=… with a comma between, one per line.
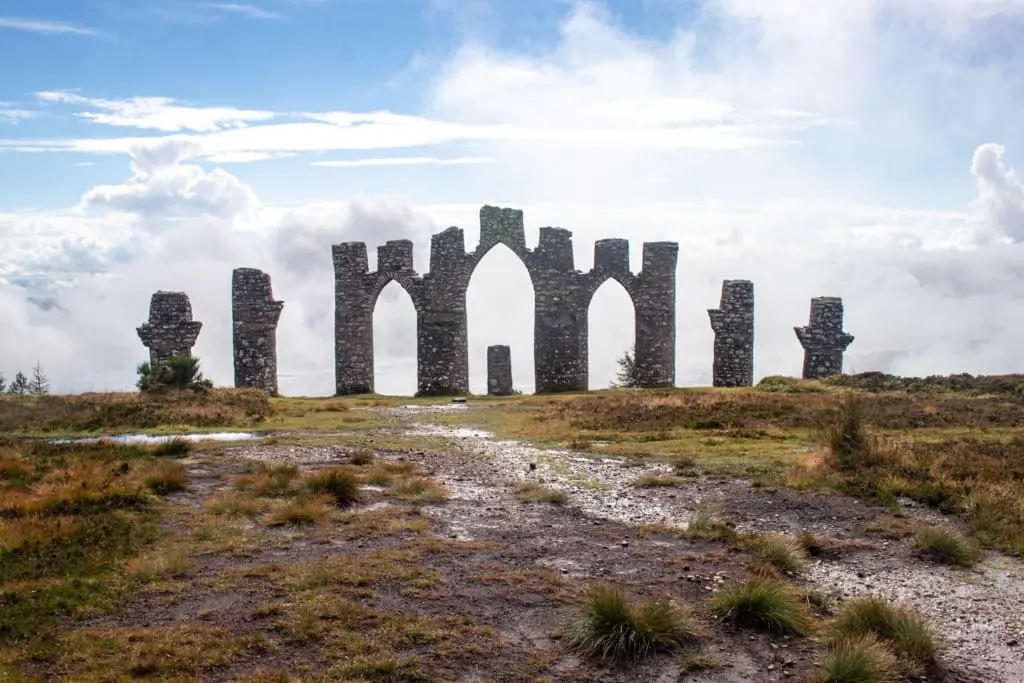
x=752, y=136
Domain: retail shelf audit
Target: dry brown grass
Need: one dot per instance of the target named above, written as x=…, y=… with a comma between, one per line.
x=133, y=410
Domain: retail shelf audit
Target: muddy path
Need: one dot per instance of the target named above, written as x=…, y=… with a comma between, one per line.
x=978, y=612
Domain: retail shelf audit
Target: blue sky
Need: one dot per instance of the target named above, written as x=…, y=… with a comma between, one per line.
x=865, y=148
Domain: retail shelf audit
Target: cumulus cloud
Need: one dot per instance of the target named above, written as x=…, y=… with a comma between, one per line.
x=1000, y=193
x=746, y=137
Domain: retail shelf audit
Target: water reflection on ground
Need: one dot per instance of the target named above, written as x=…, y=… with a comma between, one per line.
x=149, y=439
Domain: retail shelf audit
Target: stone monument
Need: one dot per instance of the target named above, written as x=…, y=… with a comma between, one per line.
x=733, y=324
x=824, y=340
x=562, y=297
x=499, y=370
x=254, y=314
x=170, y=330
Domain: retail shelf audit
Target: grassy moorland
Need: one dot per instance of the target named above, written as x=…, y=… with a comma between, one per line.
x=186, y=562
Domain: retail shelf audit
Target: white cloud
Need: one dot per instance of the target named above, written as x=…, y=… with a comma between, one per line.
x=1000, y=194
x=45, y=27
x=403, y=161
x=250, y=11
x=156, y=113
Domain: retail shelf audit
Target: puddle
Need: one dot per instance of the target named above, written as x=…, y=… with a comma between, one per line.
x=150, y=439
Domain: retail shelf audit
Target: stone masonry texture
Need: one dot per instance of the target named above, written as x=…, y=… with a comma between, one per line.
x=254, y=314
x=733, y=324
x=562, y=297
x=824, y=340
x=499, y=370
x=170, y=330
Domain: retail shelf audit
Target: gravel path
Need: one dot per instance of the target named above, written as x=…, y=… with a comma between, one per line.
x=979, y=613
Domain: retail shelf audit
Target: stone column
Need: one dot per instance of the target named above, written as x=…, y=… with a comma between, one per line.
x=255, y=315
x=499, y=370
x=733, y=323
x=823, y=340
x=170, y=331
x=560, y=315
x=441, y=330
x=353, y=320
x=655, y=304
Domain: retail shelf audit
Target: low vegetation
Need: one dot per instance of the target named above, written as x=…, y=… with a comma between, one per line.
x=609, y=626
x=947, y=546
x=859, y=659
x=763, y=603
x=903, y=630
x=532, y=492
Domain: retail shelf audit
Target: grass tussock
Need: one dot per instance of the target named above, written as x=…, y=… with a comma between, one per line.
x=339, y=484
x=306, y=510
x=707, y=524
x=167, y=478
x=269, y=480
x=860, y=659
x=947, y=547
x=174, y=447
x=609, y=626
x=764, y=604
x=418, y=490
x=781, y=551
x=902, y=629
x=235, y=504
x=532, y=492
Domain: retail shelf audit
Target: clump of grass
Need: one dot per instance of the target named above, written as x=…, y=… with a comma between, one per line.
x=706, y=524
x=161, y=561
x=168, y=477
x=303, y=511
x=847, y=436
x=362, y=457
x=608, y=626
x=947, y=546
x=385, y=473
x=233, y=504
x=813, y=545
x=654, y=480
x=339, y=484
x=269, y=480
x=762, y=603
x=173, y=447
x=901, y=628
x=782, y=552
x=419, y=490
x=862, y=659
x=683, y=464
x=580, y=445
x=532, y=492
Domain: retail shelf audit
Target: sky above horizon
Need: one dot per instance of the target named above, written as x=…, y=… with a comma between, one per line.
x=862, y=150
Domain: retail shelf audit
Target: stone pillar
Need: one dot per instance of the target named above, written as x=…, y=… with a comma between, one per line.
x=823, y=340
x=353, y=320
x=655, y=304
x=560, y=315
x=733, y=323
x=254, y=314
x=499, y=370
x=441, y=331
x=170, y=331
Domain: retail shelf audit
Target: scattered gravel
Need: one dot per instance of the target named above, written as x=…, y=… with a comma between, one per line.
x=979, y=613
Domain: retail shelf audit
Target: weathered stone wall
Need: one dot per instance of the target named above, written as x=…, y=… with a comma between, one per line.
x=824, y=340
x=170, y=330
x=733, y=324
x=254, y=314
x=562, y=297
x=499, y=370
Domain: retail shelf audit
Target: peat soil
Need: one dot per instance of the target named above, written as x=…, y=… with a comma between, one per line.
x=518, y=569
